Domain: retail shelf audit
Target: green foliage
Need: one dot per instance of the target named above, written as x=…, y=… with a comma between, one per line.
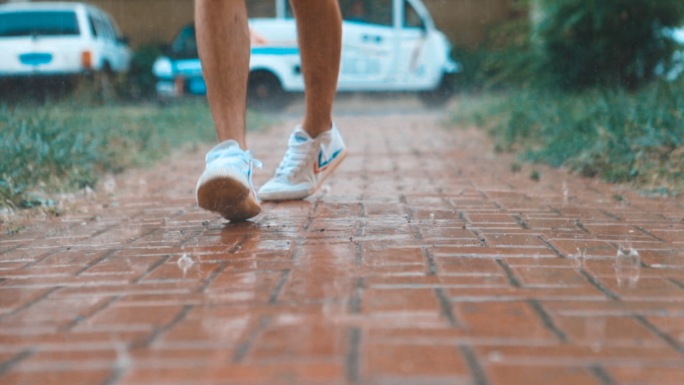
x=505, y=57
x=142, y=81
x=65, y=146
x=606, y=42
x=616, y=135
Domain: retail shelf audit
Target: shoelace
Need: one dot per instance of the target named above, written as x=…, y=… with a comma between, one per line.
x=294, y=159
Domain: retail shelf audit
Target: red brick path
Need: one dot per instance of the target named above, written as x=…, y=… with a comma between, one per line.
x=426, y=261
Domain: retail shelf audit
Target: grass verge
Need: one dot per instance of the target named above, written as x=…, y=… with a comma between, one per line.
x=617, y=135
x=64, y=146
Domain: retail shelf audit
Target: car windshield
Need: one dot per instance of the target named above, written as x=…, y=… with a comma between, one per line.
x=38, y=23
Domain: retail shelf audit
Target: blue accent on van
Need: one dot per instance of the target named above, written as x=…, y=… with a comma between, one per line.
x=275, y=51
x=35, y=59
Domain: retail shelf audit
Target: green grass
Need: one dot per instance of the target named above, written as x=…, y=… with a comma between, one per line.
x=64, y=146
x=617, y=135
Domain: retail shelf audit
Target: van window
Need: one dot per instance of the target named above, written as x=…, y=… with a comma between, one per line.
x=91, y=23
x=411, y=17
x=38, y=23
x=366, y=11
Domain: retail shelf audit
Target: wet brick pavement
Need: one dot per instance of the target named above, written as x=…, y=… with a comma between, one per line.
x=425, y=261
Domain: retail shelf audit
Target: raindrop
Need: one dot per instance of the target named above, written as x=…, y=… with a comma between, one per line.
x=432, y=218
x=566, y=193
x=495, y=356
x=185, y=262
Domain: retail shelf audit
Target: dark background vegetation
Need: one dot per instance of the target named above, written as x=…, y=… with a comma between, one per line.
x=578, y=83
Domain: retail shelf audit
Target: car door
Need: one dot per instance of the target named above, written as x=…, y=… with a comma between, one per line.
x=121, y=54
x=100, y=35
x=369, y=47
x=414, y=70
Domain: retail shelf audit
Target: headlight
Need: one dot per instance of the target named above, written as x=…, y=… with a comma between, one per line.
x=163, y=68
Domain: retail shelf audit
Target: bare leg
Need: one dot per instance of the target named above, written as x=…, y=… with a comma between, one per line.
x=224, y=48
x=319, y=26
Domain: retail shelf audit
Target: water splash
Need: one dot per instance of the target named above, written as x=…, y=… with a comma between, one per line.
x=579, y=258
x=627, y=266
x=185, y=262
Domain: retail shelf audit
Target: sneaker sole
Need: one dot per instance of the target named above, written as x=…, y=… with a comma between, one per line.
x=228, y=197
x=296, y=195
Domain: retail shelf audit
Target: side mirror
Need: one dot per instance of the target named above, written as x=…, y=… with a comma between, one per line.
x=124, y=40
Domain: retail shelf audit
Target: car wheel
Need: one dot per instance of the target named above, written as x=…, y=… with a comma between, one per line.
x=440, y=95
x=264, y=92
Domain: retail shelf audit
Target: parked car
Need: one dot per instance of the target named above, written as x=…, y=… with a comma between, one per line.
x=59, y=39
x=388, y=45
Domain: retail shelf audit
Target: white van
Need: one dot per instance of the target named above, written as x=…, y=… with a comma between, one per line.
x=41, y=39
x=388, y=45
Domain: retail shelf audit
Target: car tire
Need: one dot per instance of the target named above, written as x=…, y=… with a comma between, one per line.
x=265, y=92
x=439, y=96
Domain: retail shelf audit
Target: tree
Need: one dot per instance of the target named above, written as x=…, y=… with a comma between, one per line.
x=605, y=42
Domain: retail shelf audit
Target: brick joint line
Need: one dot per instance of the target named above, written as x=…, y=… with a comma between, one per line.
x=353, y=355
x=510, y=275
x=430, y=259
x=273, y=299
x=30, y=303
x=447, y=310
x=602, y=375
x=152, y=268
x=92, y=313
x=598, y=285
x=8, y=364
x=547, y=320
x=643, y=230
x=476, y=370
x=162, y=329
x=355, y=302
x=552, y=246
x=243, y=349
x=674, y=344
x=521, y=221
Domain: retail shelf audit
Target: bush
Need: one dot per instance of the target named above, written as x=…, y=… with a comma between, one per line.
x=606, y=42
x=142, y=81
x=614, y=134
x=504, y=58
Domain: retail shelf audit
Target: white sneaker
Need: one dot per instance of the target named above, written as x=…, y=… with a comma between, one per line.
x=225, y=186
x=305, y=166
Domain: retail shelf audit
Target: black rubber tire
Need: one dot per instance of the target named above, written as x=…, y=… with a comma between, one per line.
x=439, y=96
x=264, y=92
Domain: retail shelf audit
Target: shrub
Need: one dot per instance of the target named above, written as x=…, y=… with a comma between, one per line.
x=606, y=42
x=142, y=81
x=505, y=57
x=617, y=135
